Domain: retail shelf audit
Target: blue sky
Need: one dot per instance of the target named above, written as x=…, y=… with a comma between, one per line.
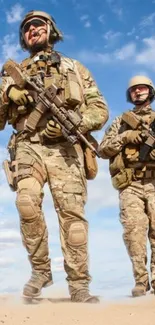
x=115, y=39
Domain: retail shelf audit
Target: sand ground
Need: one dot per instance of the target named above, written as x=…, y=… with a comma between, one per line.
x=60, y=311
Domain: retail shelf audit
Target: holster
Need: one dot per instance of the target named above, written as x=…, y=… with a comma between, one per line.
x=90, y=162
x=11, y=172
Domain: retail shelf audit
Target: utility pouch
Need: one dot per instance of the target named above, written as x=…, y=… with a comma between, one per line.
x=90, y=162
x=116, y=164
x=73, y=91
x=122, y=179
x=11, y=172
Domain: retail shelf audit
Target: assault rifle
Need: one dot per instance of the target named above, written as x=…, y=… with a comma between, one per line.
x=149, y=143
x=135, y=121
x=48, y=99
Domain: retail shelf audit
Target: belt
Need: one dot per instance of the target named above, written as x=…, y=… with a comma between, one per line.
x=147, y=174
x=35, y=137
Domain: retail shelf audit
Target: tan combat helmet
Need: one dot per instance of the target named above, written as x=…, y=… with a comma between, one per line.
x=141, y=80
x=54, y=34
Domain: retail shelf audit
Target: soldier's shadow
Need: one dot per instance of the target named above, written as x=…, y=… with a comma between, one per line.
x=38, y=300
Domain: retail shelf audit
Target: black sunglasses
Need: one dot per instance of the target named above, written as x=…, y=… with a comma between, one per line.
x=35, y=22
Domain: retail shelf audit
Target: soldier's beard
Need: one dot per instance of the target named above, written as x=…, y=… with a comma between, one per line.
x=36, y=47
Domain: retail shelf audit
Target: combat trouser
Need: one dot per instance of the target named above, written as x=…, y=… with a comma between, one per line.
x=137, y=215
x=63, y=168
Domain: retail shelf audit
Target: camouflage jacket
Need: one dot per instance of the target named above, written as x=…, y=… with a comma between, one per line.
x=112, y=142
x=93, y=108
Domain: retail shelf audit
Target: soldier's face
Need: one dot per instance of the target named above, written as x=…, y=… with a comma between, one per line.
x=139, y=93
x=35, y=32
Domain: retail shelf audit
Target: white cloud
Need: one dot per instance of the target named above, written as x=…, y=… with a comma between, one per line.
x=101, y=19
x=147, y=21
x=68, y=37
x=122, y=54
x=15, y=13
x=133, y=30
x=104, y=195
x=111, y=38
x=126, y=52
x=93, y=57
x=9, y=235
x=84, y=17
x=5, y=262
x=58, y=259
x=87, y=24
x=118, y=11
x=147, y=54
x=10, y=47
x=86, y=21
x=110, y=35
x=115, y=8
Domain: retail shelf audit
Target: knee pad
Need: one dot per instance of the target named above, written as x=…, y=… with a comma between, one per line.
x=27, y=205
x=77, y=234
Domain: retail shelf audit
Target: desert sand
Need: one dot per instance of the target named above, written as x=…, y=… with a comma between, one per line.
x=60, y=311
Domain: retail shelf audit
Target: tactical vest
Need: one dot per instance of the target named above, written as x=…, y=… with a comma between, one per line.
x=122, y=169
x=63, y=74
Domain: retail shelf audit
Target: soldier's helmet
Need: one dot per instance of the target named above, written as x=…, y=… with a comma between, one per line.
x=141, y=80
x=53, y=33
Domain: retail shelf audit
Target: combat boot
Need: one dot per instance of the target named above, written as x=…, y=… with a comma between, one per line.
x=140, y=289
x=37, y=281
x=82, y=295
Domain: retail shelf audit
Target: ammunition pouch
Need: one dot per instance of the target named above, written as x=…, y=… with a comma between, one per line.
x=123, y=178
x=11, y=172
x=73, y=91
x=90, y=162
x=116, y=164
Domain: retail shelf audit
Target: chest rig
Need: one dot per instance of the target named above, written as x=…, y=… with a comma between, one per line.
x=51, y=68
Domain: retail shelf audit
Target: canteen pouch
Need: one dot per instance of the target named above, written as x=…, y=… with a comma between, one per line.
x=90, y=161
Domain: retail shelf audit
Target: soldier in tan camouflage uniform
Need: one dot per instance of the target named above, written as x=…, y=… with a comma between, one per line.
x=133, y=175
x=45, y=156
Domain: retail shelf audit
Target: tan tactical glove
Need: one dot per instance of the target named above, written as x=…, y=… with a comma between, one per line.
x=19, y=96
x=131, y=136
x=152, y=154
x=53, y=130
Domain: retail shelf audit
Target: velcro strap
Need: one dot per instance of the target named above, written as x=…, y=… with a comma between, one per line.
x=30, y=171
x=31, y=167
